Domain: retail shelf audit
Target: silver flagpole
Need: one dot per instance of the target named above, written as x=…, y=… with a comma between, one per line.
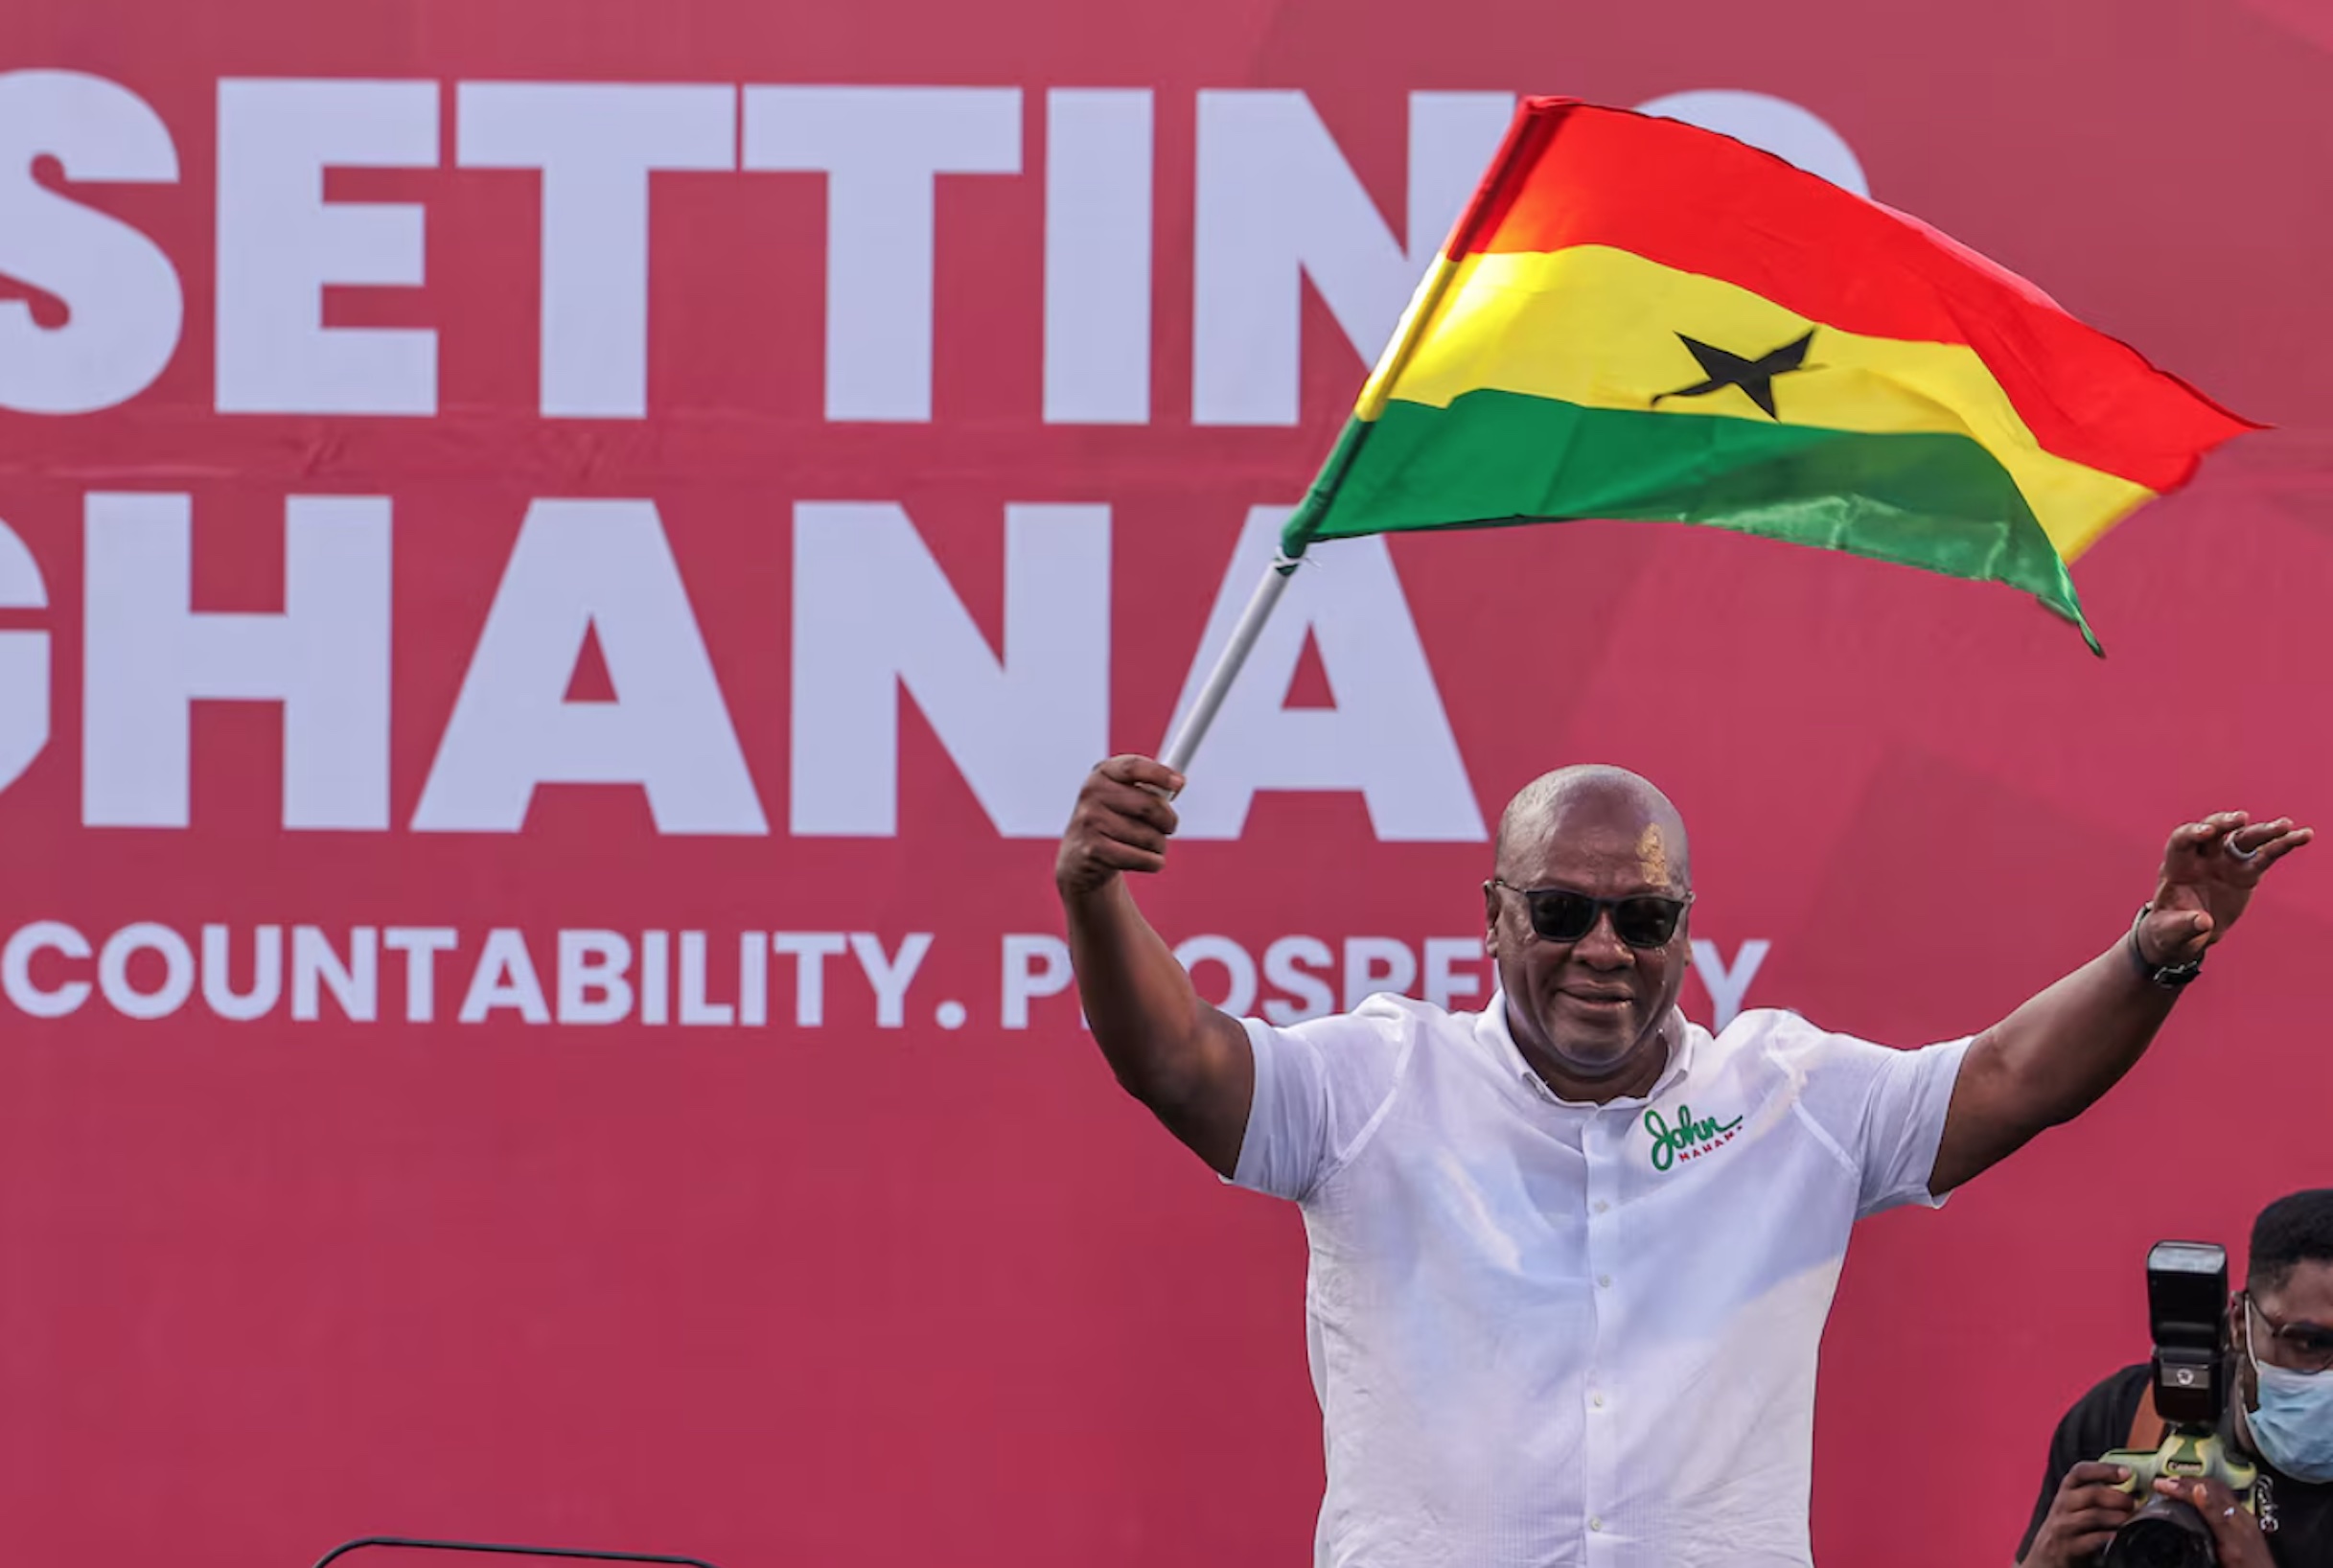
x=1186, y=743
x=1304, y=525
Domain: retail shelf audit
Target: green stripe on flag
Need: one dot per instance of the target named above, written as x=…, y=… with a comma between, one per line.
x=1936, y=502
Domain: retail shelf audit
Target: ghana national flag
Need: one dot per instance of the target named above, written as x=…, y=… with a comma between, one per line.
x=1639, y=319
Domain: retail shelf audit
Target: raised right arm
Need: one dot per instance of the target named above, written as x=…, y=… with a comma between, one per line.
x=1189, y=1063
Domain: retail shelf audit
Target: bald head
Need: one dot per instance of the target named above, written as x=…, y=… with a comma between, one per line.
x=1593, y=796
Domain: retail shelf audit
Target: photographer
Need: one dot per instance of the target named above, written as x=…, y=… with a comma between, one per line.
x=2281, y=1327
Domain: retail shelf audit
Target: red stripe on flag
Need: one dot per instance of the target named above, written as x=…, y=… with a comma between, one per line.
x=1575, y=174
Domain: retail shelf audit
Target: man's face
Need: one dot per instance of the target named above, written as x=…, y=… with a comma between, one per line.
x=1594, y=1003
x=2301, y=1303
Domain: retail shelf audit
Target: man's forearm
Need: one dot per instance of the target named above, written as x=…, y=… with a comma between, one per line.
x=1139, y=999
x=1187, y=1062
x=2074, y=1042
x=2049, y=1061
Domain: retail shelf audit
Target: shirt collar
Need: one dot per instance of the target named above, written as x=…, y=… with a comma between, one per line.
x=1492, y=1030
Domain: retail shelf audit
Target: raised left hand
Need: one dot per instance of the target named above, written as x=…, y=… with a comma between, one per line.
x=2209, y=870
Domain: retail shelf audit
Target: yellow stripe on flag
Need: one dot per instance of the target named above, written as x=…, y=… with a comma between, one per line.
x=1601, y=328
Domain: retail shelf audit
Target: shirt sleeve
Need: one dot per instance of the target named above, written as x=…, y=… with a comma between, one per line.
x=1322, y=1087
x=1881, y=1108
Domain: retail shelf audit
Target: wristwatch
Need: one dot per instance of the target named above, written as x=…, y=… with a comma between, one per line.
x=2169, y=976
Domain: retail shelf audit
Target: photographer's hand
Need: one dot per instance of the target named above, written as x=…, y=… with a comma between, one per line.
x=2083, y=1517
x=2234, y=1531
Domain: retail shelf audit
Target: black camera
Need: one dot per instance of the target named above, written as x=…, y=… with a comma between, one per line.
x=2186, y=1305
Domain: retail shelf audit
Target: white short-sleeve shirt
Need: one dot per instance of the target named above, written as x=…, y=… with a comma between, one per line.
x=1549, y=1333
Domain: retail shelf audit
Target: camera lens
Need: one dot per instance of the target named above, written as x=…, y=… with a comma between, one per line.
x=2162, y=1534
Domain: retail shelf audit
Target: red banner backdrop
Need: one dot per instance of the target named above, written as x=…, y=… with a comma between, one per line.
x=563, y=563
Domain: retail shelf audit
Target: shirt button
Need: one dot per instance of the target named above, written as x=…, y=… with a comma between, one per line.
x=1604, y=1280
x=1595, y=1525
x=1596, y=1399
x=1601, y=1205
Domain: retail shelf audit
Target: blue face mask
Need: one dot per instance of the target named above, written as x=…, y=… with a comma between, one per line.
x=2294, y=1426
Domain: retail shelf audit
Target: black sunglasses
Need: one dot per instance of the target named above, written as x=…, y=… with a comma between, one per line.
x=1641, y=921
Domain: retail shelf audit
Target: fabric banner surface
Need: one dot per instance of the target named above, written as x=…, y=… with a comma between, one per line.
x=562, y=563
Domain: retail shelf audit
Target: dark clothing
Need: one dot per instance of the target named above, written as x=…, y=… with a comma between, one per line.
x=2100, y=1423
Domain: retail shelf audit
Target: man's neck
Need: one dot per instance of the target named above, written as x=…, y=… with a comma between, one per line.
x=1639, y=1071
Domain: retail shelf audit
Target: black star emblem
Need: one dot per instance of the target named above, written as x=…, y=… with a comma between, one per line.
x=1754, y=377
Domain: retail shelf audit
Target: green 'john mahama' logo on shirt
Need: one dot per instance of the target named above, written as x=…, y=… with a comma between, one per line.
x=1689, y=1139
